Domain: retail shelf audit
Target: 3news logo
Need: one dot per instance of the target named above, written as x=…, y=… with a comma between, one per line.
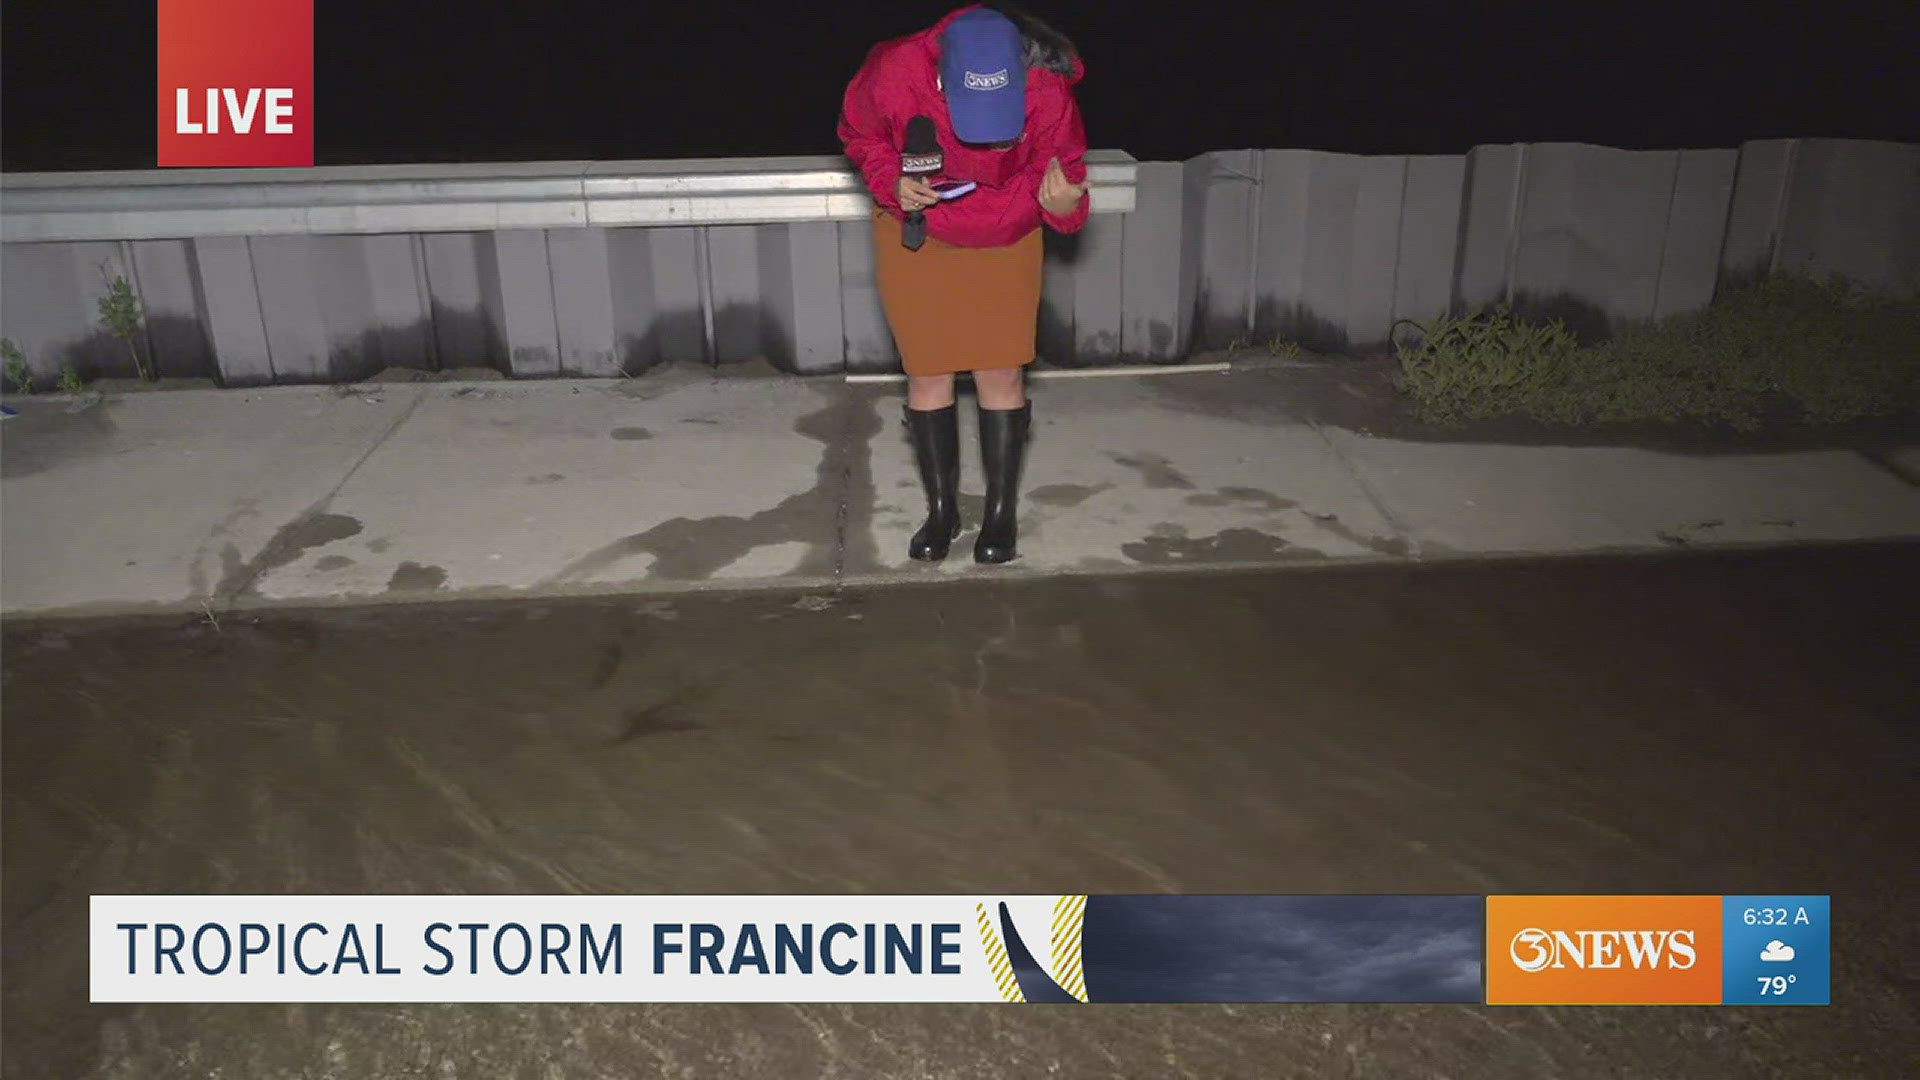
x=1657, y=950
x=1533, y=949
x=235, y=83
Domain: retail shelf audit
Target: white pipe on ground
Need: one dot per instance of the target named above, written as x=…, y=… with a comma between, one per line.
x=1076, y=373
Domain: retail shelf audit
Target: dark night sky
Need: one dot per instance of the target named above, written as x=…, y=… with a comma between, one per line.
x=413, y=81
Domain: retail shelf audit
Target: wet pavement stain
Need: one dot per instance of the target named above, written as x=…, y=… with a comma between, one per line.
x=1171, y=545
x=662, y=719
x=973, y=507
x=229, y=555
x=243, y=509
x=608, y=664
x=413, y=577
x=546, y=478
x=632, y=434
x=657, y=609
x=839, y=504
x=46, y=436
x=299, y=536
x=1229, y=496
x=1686, y=535
x=1551, y=726
x=1064, y=496
x=1380, y=545
x=232, y=566
x=1156, y=470
x=330, y=563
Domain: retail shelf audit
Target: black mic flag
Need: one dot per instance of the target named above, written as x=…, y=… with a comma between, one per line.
x=922, y=157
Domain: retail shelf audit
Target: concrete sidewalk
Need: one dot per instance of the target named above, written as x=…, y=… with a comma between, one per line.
x=301, y=495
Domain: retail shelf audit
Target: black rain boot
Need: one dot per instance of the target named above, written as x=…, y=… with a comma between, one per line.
x=1003, y=444
x=936, y=450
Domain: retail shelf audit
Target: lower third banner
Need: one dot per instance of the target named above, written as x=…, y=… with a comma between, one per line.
x=852, y=949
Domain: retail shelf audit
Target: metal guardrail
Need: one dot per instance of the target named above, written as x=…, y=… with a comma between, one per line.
x=348, y=200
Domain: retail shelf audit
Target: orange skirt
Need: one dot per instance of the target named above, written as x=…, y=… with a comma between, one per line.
x=958, y=308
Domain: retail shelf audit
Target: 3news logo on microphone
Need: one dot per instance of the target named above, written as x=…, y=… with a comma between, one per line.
x=235, y=83
x=921, y=158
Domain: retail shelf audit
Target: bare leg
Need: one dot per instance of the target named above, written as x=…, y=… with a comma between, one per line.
x=1002, y=388
x=928, y=392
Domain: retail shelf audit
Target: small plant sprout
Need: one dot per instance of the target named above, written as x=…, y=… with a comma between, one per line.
x=19, y=374
x=120, y=310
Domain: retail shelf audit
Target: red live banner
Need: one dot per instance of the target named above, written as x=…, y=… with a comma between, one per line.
x=236, y=83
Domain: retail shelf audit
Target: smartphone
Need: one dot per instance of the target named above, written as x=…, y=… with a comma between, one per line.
x=953, y=189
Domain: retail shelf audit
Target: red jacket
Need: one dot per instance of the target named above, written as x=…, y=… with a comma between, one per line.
x=898, y=82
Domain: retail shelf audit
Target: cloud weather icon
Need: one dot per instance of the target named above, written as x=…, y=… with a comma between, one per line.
x=1777, y=952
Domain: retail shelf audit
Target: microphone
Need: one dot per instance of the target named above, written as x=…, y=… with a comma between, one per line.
x=922, y=158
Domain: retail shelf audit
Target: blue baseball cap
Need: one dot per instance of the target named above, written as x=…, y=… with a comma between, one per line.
x=984, y=73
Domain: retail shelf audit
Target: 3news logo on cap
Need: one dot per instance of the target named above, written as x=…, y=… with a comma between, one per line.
x=983, y=72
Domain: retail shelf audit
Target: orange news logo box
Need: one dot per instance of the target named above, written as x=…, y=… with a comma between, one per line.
x=1603, y=950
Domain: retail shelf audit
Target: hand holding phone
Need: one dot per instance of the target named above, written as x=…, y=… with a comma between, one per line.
x=953, y=189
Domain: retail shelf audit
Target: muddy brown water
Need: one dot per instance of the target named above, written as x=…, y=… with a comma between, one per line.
x=1691, y=724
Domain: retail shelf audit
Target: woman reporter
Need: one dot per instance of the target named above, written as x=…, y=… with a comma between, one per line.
x=998, y=88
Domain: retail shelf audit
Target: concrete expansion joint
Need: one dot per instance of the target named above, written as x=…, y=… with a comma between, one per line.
x=290, y=539
x=1401, y=533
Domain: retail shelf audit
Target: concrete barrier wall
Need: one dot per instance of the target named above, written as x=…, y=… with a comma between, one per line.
x=1327, y=250
x=1331, y=251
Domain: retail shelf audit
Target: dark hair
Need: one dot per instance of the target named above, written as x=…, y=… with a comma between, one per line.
x=1046, y=48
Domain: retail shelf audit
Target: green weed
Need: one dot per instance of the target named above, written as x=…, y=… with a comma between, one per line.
x=19, y=375
x=1820, y=352
x=120, y=310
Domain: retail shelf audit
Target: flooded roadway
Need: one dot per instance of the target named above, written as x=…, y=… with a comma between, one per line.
x=1696, y=724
